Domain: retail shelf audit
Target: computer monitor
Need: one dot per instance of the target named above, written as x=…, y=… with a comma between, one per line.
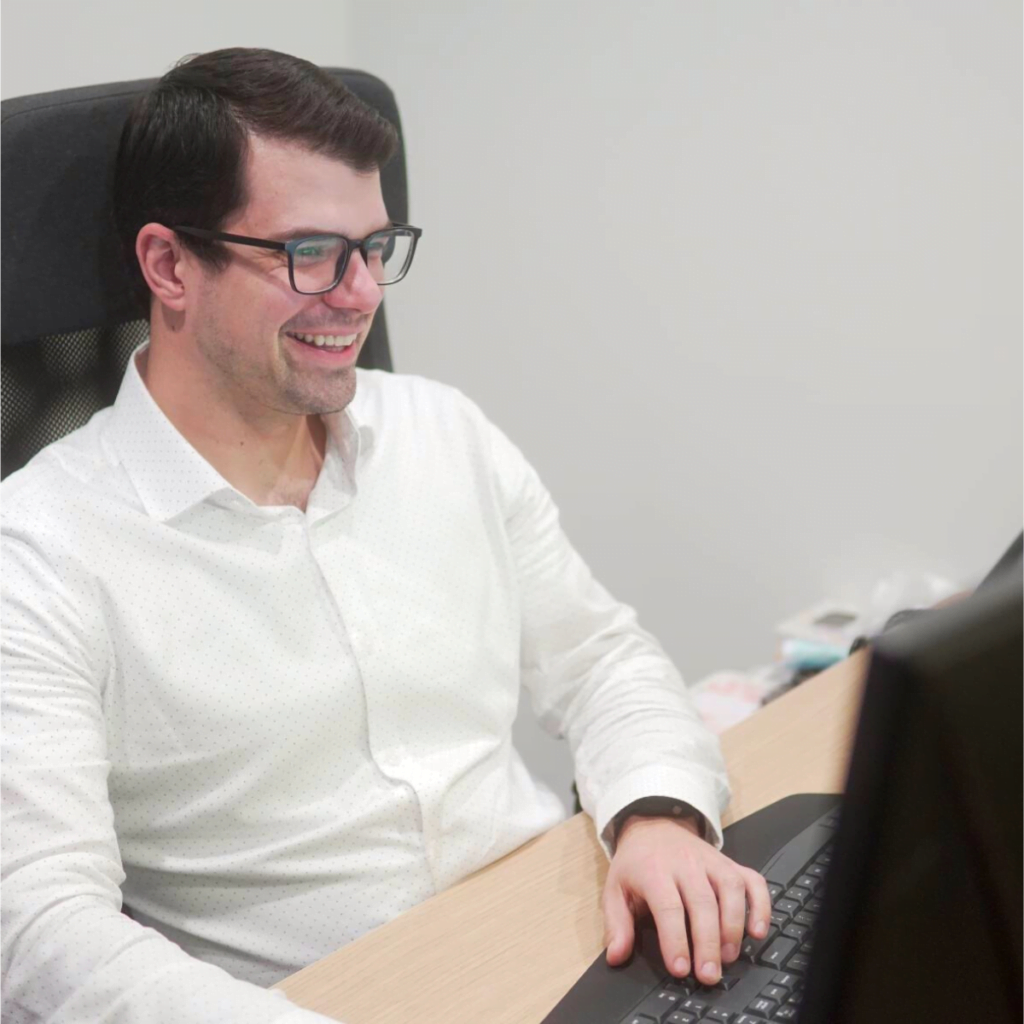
x=921, y=918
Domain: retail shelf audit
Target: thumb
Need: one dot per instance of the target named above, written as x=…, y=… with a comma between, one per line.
x=618, y=926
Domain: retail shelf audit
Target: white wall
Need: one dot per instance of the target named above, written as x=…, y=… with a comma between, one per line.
x=742, y=279
x=59, y=44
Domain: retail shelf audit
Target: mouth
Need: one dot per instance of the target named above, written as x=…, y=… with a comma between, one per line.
x=337, y=349
x=330, y=341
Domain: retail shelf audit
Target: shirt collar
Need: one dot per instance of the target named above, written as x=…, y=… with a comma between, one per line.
x=170, y=476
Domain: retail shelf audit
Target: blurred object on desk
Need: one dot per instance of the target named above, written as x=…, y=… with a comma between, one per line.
x=814, y=640
x=725, y=698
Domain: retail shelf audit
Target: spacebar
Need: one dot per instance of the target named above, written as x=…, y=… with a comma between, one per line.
x=793, y=857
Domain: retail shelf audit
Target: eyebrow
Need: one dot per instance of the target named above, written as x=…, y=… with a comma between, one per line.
x=303, y=231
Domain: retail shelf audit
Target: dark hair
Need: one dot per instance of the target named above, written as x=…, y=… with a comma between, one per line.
x=183, y=149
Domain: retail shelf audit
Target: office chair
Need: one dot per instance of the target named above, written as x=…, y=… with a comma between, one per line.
x=68, y=323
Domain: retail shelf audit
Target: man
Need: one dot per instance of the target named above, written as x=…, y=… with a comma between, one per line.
x=266, y=618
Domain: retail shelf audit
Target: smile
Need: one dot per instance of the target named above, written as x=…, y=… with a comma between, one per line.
x=324, y=340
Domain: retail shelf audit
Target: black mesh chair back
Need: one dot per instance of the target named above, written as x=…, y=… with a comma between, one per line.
x=68, y=319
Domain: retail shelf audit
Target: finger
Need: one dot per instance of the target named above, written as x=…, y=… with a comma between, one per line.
x=731, y=889
x=666, y=906
x=760, y=903
x=702, y=909
x=618, y=925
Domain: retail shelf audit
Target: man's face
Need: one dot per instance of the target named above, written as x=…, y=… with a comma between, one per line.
x=243, y=318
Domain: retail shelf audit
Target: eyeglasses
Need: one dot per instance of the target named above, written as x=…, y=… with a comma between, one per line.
x=317, y=263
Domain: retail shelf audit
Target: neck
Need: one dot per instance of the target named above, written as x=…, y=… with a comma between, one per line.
x=273, y=458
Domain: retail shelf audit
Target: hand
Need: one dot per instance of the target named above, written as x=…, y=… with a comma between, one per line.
x=694, y=893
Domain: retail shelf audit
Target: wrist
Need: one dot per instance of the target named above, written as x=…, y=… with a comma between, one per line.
x=690, y=822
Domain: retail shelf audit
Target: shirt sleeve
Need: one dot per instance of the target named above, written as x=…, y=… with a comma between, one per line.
x=595, y=676
x=68, y=953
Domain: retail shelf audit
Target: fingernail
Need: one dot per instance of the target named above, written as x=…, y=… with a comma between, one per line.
x=681, y=966
x=711, y=971
x=729, y=952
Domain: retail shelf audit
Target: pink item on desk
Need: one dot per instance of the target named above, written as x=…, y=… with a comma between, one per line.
x=725, y=698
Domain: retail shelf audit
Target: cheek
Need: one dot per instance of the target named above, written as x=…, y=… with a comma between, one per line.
x=244, y=310
x=260, y=318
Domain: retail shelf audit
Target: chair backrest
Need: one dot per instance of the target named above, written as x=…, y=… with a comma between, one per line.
x=68, y=323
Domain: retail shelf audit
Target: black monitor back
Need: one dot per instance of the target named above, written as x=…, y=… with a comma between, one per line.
x=922, y=917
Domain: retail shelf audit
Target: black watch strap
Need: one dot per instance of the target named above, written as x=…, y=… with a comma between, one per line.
x=657, y=807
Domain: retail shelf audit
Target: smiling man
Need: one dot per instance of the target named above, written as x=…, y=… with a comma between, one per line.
x=266, y=619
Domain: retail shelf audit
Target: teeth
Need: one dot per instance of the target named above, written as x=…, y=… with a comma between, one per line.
x=328, y=340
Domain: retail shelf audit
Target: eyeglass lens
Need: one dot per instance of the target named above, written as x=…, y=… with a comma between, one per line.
x=315, y=260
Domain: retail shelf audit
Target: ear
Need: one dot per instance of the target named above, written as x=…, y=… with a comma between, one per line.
x=161, y=260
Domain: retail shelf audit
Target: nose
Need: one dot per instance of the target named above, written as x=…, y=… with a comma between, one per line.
x=357, y=287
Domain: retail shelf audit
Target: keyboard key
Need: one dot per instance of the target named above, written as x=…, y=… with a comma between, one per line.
x=680, y=1018
x=785, y=1013
x=719, y=1016
x=776, y=992
x=658, y=1005
x=806, y=881
x=808, y=947
x=785, y=906
x=762, y=1006
x=784, y=980
x=774, y=891
x=684, y=986
x=798, y=895
x=795, y=931
x=813, y=905
x=798, y=962
x=775, y=955
x=635, y=1018
x=804, y=917
x=746, y=1018
x=693, y=1005
x=824, y=858
x=779, y=919
x=751, y=946
x=817, y=870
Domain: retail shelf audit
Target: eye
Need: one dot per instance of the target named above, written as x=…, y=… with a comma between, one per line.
x=380, y=247
x=316, y=250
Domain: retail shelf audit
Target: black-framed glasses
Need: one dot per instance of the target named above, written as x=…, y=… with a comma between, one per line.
x=317, y=263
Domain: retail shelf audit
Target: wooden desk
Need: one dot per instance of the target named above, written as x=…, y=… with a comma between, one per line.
x=505, y=944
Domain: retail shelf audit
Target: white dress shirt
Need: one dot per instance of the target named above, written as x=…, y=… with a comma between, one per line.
x=269, y=731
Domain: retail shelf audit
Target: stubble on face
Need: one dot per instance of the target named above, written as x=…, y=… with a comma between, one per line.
x=262, y=378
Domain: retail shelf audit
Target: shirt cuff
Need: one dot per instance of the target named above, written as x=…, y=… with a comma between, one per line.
x=687, y=788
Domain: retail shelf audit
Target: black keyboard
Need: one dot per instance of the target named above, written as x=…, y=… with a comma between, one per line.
x=766, y=982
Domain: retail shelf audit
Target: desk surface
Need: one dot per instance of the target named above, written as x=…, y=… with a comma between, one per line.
x=505, y=944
